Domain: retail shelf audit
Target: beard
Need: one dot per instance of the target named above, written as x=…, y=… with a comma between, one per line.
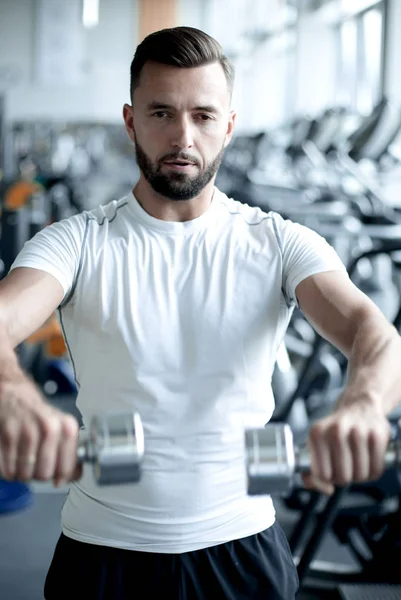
x=176, y=186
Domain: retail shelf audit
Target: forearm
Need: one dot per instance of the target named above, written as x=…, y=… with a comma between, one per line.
x=374, y=368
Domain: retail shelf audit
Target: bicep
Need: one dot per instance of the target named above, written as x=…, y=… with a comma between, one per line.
x=28, y=297
x=334, y=307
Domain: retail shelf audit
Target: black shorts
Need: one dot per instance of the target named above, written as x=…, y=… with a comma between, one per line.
x=256, y=567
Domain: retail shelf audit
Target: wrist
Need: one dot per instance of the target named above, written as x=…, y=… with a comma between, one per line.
x=10, y=368
x=9, y=363
x=361, y=396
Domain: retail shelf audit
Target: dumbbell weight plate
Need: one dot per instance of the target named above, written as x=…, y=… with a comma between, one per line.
x=270, y=459
x=115, y=447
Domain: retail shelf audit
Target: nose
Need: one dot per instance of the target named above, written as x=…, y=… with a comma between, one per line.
x=182, y=134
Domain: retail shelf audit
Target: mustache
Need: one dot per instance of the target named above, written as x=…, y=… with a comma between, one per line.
x=179, y=156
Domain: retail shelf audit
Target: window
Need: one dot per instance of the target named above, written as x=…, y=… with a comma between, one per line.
x=360, y=58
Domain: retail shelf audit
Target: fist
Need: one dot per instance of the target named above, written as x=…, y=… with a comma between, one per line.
x=349, y=446
x=37, y=441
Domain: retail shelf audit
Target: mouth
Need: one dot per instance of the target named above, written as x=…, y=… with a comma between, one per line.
x=179, y=165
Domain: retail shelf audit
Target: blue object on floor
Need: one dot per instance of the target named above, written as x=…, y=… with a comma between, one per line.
x=14, y=496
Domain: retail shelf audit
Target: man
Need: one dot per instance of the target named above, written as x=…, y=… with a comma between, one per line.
x=173, y=301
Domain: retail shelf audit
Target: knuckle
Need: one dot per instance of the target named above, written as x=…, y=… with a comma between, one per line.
x=69, y=427
x=50, y=428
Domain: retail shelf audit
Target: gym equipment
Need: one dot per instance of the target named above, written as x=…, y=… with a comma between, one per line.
x=24, y=213
x=14, y=496
x=115, y=447
x=370, y=592
x=2, y=137
x=14, y=233
x=273, y=460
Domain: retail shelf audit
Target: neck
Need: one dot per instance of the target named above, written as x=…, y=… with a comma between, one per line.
x=165, y=209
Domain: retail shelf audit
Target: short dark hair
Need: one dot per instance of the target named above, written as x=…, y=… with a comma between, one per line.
x=183, y=47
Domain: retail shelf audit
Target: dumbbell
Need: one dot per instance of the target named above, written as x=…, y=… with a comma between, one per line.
x=273, y=462
x=114, y=446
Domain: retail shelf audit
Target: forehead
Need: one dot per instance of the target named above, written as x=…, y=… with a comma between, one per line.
x=174, y=85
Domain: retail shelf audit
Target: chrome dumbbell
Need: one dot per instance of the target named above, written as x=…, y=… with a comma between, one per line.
x=114, y=446
x=273, y=462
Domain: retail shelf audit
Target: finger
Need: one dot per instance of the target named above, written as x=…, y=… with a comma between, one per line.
x=27, y=451
x=47, y=453
x=377, y=450
x=313, y=483
x=77, y=474
x=67, y=451
x=359, y=448
x=321, y=467
x=341, y=457
x=8, y=441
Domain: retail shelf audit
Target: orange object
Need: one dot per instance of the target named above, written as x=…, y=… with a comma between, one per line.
x=55, y=347
x=155, y=15
x=51, y=335
x=48, y=329
x=19, y=193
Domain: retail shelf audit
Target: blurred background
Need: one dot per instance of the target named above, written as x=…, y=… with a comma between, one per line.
x=64, y=72
x=318, y=139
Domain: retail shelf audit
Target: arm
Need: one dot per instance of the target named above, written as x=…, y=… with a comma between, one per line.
x=29, y=427
x=28, y=297
x=37, y=441
x=350, y=444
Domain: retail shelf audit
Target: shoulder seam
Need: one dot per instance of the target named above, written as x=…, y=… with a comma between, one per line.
x=247, y=222
x=88, y=219
x=105, y=218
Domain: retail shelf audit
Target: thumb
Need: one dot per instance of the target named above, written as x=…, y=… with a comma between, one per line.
x=313, y=483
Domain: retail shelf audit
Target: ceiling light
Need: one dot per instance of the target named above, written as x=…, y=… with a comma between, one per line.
x=90, y=13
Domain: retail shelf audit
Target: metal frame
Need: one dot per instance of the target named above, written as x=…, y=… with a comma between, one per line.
x=385, y=45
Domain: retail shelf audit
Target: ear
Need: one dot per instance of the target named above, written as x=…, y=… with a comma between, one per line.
x=128, y=115
x=230, y=128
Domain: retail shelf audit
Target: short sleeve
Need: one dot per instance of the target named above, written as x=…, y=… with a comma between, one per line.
x=57, y=250
x=304, y=253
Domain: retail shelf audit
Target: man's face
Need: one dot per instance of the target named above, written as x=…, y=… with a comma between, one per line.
x=180, y=123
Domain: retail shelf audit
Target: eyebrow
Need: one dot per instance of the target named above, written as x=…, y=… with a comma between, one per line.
x=161, y=106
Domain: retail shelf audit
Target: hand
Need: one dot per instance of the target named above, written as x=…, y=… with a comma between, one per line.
x=37, y=441
x=348, y=446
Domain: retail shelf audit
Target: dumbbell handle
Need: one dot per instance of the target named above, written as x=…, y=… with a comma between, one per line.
x=272, y=460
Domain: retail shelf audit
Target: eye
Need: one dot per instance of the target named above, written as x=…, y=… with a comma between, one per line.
x=204, y=117
x=160, y=114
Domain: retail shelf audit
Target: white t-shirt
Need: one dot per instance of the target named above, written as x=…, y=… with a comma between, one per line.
x=180, y=321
